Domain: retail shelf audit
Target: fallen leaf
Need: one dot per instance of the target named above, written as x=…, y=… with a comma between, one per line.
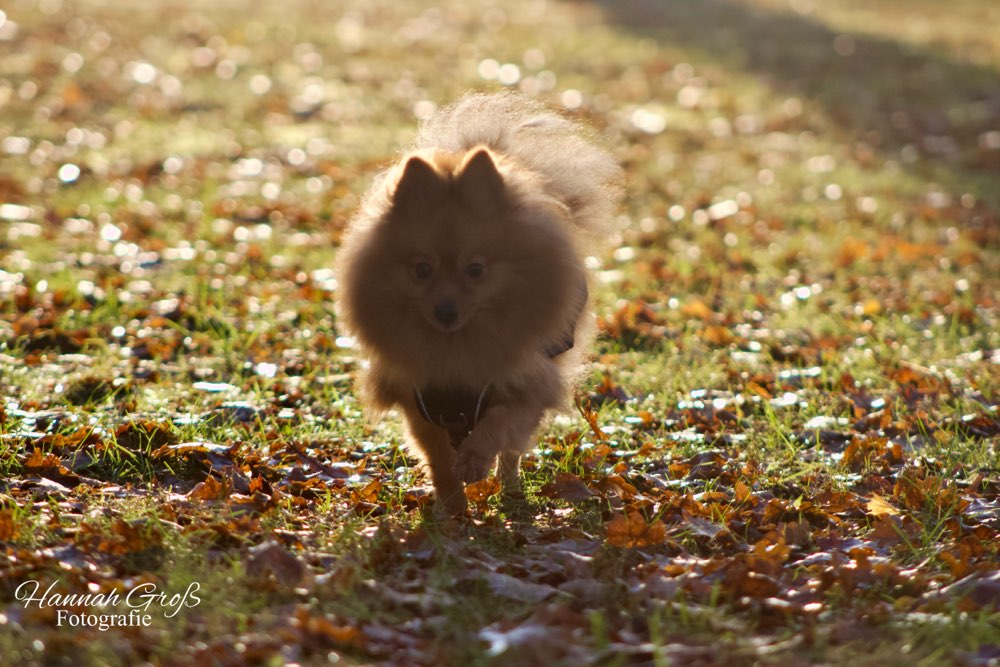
x=368, y=493
x=507, y=586
x=481, y=491
x=632, y=530
x=742, y=492
x=696, y=308
x=717, y=335
x=702, y=527
x=567, y=486
x=210, y=489
x=327, y=630
x=8, y=528
x=271, y=560
x=878, y=506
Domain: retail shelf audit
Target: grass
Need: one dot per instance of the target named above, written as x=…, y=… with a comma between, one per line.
x=786, y=449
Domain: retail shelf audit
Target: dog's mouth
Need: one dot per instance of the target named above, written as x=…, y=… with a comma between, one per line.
x=447, y=327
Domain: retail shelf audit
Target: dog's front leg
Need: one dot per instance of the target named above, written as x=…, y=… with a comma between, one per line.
x=435, y=448
x=504, y=428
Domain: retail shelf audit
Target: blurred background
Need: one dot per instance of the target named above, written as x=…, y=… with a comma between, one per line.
x=703, y=100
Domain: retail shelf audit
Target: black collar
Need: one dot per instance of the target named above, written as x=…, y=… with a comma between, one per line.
x=456, y=409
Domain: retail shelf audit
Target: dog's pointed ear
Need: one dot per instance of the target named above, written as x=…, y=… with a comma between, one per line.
x=418, y=186
x=479, y=181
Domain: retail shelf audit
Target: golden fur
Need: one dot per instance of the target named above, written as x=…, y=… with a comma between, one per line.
x=463, y=268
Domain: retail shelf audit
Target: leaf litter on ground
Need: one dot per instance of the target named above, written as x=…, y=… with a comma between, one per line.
x=787, y=452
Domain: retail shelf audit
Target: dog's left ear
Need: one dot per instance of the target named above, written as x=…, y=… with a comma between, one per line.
x=479, y=182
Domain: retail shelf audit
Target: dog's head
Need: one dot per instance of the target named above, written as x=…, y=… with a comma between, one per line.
x=445, y=220
x=467, y=255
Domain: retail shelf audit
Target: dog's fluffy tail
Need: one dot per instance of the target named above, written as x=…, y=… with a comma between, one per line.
x=575, y=169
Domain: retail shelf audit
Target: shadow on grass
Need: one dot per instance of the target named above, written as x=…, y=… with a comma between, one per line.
x=911, y=104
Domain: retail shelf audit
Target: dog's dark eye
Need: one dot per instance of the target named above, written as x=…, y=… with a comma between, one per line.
x=475, y=270
x=422, y=270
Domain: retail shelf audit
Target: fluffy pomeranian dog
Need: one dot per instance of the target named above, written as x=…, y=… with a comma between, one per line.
x=462, y=280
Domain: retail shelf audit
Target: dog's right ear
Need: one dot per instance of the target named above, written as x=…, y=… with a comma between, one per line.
x=418, y=187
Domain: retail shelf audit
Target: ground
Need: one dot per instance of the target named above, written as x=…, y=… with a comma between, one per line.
x=786, y=451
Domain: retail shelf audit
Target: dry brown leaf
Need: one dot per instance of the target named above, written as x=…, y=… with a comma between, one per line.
x=879, y=506
x=368, y=493
x=507, y=586
x=742, y=492
x=703, y=527
x=717, y=335
x=697, y=308
x=632, y=530
x=273, y=560
x=8, y=528
x=328, y=631
x=479, y=492
x=567, y=486
x=210, y=489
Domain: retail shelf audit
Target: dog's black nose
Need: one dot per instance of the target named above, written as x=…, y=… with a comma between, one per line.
x=446, y=312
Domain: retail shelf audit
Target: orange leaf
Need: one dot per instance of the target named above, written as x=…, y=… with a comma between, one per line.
x=880, y=507
x=479, y=492
x=8, y=529
x=72, y=94
x=368, y=493
x=634, y=531
x=210, y=489
x=36, y=460
x=717, y=335
x=758, y=389
x=696, y=308
x=742, y=492
x=329, y=629
x=871, y=307
x=911, y=489
x=590, y=416
x=887, y=530
x=851, y=251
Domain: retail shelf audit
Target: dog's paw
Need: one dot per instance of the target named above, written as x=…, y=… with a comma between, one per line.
x=471, y=466
x=451, y=507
